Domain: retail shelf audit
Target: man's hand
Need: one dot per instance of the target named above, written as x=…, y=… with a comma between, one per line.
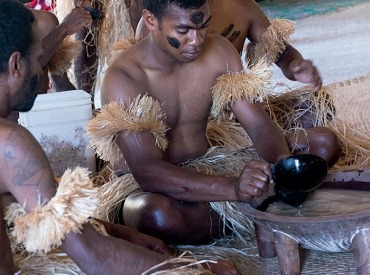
x=78, y=18
x=253, y=181
x=305, y=72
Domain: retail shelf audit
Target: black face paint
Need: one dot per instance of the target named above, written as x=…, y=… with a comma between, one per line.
x=173, y=42
x=197, y=18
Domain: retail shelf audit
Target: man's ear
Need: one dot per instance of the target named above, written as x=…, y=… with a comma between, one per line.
x=15, y=65
x=150, y=20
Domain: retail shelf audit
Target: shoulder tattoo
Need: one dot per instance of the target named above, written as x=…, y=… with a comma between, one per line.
x=229, y=33
x=22, y=158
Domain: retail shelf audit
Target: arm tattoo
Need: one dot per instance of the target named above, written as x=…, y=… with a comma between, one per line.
x=226, y=33
x=22, y=164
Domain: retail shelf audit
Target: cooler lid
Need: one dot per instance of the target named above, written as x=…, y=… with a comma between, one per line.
x=61, y=99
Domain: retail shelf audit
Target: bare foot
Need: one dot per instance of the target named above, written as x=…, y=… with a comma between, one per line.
x=98, y=254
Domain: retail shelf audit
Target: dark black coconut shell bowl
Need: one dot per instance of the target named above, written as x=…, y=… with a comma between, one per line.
x=296, y=176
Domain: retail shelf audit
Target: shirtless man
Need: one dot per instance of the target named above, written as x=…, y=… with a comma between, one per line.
x=52, y=33
x=26, y=174
x=239, y=20
x=88, y=57
x=177, y=64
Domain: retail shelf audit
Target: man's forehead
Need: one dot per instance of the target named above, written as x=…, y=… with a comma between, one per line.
x=195, y=16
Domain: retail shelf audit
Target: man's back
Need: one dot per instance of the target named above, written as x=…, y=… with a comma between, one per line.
x=237, y=20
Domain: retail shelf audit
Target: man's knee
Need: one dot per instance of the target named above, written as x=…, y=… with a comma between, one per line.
x=147, y=212
x=326, y=145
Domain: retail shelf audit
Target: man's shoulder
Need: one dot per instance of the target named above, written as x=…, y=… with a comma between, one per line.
x=217, y=44
x=45, y=21
x=10, y=128
x=124, y=67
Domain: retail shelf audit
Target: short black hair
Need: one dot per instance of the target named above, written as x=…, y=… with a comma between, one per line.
x=16, y=33
x=158, y=7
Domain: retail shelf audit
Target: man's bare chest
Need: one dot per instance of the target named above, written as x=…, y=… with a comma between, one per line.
x=184, y=102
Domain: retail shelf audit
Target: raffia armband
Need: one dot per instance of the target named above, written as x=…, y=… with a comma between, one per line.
x=47, y=225
x=63, y=59
x=274, y=41
x=231, y=87
x=144, y=114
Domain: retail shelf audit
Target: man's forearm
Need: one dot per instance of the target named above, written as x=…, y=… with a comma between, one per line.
x=6, y=261
x=184, y=184
x=285, y=58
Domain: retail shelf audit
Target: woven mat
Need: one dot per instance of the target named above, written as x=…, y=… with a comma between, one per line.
x=293, y=9
x=338, y=43
x=249, y=263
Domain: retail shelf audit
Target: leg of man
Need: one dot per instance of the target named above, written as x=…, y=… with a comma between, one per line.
x=320, y=141
x=173, y=221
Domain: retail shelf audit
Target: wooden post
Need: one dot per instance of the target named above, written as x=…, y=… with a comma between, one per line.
x=361, y=251
x=287, y=251
x=265, y=242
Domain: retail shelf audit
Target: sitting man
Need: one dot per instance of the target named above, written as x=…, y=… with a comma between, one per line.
x=244, y=19
x=244, y=23
x=156, y=100
x=62, y=211
x=53, y=34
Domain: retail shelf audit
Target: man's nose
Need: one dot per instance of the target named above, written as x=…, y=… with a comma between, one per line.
x=195, y=38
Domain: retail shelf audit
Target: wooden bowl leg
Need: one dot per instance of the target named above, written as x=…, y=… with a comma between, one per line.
x=361, y=251
x=287, y=251
x=265, y=242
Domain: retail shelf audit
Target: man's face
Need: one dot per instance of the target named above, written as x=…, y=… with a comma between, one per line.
x=26, y=94
x=183, y=31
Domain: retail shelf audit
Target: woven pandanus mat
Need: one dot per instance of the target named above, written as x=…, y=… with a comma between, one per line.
x=246, y=258
x=352, y=121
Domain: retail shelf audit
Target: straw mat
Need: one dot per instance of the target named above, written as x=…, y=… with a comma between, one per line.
x=338, y=43
x=250, y=263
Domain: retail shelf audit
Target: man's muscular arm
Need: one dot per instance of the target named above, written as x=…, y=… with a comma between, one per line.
x=71, y=24
x=291, y=62
x=6, y=261
x=26, y=173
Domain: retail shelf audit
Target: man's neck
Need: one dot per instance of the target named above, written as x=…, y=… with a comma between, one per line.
x=4, y=109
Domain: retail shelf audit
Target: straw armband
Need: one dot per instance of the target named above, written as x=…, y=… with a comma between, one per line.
x=63, y=59
x=231, y=87
x=144, y=114
x=47, y=225
x=274, y=41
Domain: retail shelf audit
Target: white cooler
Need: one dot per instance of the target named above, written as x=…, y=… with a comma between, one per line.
x=58, y=121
